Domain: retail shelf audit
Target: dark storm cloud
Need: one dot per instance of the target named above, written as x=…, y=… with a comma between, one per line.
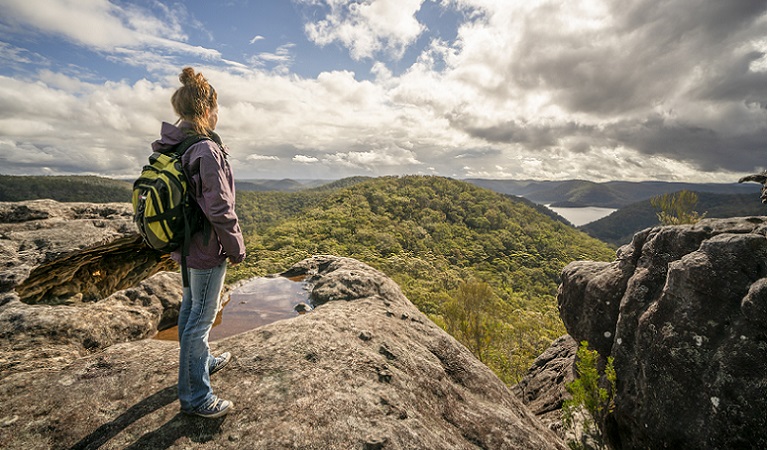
x=681, y=80
x=514, y=132
x=532, y=135
x=708, y=20
x=734, y=81
x=647, y=54
x=704, y=148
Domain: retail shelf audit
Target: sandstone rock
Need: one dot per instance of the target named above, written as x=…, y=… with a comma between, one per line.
x=41, y=230
x=681, y=310
x=46, y=338
x=76, y=254
x=54, y=253
x=363, y=370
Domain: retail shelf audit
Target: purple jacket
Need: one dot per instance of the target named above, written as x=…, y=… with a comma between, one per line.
x=212, y=185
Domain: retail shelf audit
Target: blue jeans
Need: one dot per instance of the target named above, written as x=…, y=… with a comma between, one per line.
x=199, y=306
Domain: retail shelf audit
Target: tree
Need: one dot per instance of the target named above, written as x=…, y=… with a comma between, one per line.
x=677, y=208
x=469, y=316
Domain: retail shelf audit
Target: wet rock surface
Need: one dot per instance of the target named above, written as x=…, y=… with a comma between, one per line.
x=252, y=303
x=682, y=311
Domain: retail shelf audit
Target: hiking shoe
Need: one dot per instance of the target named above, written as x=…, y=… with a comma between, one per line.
x=220, y=362
x=216, y=408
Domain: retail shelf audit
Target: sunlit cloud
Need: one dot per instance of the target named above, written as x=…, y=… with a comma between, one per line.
x=262, y=158
x=105, y=26
x=305, y=159
x=368, y=27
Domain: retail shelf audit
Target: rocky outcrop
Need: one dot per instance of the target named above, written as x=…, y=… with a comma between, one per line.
x=683, y=311
x=363, y=370
x=47, y=338
x=69, y=253
x=75, y=279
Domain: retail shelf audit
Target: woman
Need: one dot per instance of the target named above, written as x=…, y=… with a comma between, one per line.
x=211, y=184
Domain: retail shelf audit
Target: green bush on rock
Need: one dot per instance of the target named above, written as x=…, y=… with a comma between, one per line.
x=592, y=398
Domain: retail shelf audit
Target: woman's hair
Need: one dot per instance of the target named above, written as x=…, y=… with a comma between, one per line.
x=191, y=100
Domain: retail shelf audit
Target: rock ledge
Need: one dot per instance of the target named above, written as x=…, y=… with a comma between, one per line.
x=364, y=370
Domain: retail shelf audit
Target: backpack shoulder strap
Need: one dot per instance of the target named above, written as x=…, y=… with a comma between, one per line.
x=184, y=145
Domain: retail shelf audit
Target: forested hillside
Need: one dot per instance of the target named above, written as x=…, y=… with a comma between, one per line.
x=64, y=189
x=483, y=265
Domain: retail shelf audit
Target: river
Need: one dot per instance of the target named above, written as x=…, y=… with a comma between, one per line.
x=583, y=215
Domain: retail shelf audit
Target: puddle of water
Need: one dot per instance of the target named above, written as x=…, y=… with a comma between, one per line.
x=257, y=302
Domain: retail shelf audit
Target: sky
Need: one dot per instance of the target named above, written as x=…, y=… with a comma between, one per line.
x=671, y=90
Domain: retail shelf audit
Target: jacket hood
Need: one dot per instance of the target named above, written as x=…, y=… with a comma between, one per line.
x=170, y=135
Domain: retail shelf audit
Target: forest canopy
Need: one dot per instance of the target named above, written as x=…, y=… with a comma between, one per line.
x=440, y=239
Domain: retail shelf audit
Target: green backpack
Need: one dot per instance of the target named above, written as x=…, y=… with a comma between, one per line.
x=164, y=213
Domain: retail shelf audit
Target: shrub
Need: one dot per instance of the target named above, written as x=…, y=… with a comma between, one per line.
x=677, y=209
x=591, y=400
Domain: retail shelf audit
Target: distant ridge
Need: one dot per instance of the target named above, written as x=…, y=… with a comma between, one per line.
x=569, y=193
x=284, y=185
x=343, y=183
x=95, y=189
x=611, y=194
x=70, y=188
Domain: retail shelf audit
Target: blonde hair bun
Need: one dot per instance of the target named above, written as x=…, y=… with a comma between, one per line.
x=191, y=79
x=194, y=98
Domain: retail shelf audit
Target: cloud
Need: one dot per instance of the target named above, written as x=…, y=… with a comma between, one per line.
x=282, y=58
x=95, y=23
x=255, y=157
x=368, y=27
x=105, y=26
x=374, y=159
x=704, y=147
x=592, y=89
x=73, y=127
x=281, y=55
x=598, y=74
x=23, y=127
x=16, y=57
x=305, y=159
